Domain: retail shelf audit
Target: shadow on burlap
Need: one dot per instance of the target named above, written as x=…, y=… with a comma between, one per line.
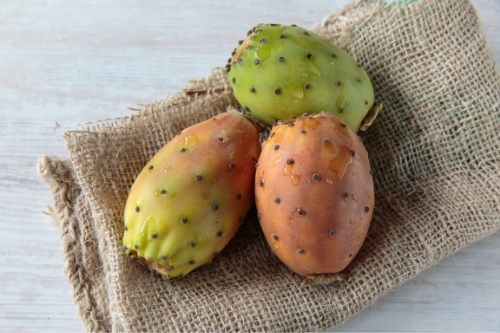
x=435, y=151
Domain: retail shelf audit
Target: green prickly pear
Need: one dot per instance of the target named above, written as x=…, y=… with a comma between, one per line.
x=314, y=193
x=190, y=199
x=281, y=71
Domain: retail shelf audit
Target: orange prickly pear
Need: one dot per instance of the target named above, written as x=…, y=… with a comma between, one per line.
x=314, y=193
x=190, y=199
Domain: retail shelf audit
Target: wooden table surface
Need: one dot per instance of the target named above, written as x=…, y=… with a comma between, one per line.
x=74, y=62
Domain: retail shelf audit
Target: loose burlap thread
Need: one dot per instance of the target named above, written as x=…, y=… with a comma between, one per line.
x=434, y=150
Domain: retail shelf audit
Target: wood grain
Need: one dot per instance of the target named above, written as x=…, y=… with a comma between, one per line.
x=74, y=62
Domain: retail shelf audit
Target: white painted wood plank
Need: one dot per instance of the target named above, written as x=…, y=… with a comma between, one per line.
x=75, y=62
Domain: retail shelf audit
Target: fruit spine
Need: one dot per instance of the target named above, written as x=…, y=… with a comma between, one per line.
x=190, y=199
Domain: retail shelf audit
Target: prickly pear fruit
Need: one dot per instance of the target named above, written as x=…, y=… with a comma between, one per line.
x=281, y=71
x=314, y=193
x=190, y=199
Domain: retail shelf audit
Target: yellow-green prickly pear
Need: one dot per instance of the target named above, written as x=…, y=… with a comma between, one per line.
x=190, y=199
x=281, y=71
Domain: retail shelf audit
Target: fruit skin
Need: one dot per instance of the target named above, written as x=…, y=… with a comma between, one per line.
x=282, y=71
x=185, y=206
x=314, y=193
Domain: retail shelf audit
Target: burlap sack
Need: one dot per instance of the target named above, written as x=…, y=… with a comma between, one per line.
x=434, y=149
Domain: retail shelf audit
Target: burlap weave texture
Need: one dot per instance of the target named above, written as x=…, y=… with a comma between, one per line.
x=434, y=149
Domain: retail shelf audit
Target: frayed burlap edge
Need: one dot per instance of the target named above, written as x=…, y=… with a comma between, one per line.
x=72, y=214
